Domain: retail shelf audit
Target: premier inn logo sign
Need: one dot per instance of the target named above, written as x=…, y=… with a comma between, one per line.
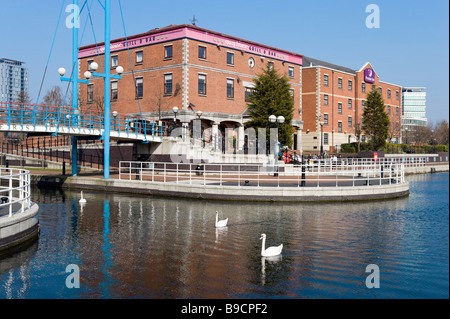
x=369, y=75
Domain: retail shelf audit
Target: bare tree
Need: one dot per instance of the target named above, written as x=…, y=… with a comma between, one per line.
x=394, y=131
x=358, y=132
x=23, y=98
x=441, y=133
x=419, y=135
x=54, y=97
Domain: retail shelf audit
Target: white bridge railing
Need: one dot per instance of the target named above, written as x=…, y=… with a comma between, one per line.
x=314, y=173
x=14, y=191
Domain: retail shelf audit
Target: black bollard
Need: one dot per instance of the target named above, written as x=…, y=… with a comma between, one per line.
x=303, y=176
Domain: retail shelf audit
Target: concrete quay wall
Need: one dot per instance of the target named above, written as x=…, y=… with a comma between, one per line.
x=18, y=228
x=244, y=193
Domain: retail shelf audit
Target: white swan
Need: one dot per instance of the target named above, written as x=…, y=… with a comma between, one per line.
x=82, y=200
x=271, y=251
x=220, y=223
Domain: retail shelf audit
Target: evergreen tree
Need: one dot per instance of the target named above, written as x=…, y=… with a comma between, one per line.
x=272, y=95
x=376, y=121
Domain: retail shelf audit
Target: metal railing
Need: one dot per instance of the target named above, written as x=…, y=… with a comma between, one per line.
x=14, y=191
x=25, y=117
x=408, y=161
x=319, y=174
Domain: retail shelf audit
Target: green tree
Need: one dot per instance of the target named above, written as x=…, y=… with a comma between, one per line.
x=376, y=121
x=272, y=95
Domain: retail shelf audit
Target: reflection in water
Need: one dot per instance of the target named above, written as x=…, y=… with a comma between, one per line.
x=146, y=247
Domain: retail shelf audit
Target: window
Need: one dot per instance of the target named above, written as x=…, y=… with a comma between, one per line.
x=349, y=103
x=202, y=84
x=230, y=58
x=325, y=138
x=339, y=83
x=396, y=110
x=291, y=91
x=363, y=138
x=339, y=127
x=363, y=105
x=291, y=71
x=389, y=93
x=168, y=83
x=396, y=95
x=380, y=90
x=339, y=108
x=89, y=64
x=139, y=88
x=139, y=57
x=230, y=88
x=114, y=61
x=248, y=94
x=349, y=121
x=350, y=85
x=363, y=87
x=325, y=119
x=114, y=91
x=201, y=52
x=325, y=99
x=90, y=93
x=270, y=66
x=325, y=80
x=389, y=109
x=167, y=52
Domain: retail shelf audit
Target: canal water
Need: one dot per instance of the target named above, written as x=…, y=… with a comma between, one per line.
x=125, y=246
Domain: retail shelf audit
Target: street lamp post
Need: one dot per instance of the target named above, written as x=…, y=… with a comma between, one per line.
x=279, y=121
x=74, y=80
x=175, y=111
x=114, y=114
x=321, y=139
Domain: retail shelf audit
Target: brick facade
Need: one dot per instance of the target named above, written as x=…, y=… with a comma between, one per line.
x=335, y=96
x=210, y=72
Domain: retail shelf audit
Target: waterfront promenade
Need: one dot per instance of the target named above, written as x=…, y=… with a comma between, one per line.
x=323, y=181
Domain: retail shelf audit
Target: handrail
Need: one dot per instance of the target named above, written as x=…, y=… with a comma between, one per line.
x=56, y=116
x=16, y=193
x=286, y=175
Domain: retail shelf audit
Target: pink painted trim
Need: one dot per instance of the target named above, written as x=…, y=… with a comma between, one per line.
x=196, y=34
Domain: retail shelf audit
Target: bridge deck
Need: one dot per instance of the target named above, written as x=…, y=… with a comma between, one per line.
x=51, y=120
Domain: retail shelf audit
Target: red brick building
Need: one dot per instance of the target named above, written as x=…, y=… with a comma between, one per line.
x=190, y=68
x=335, y=95
x=207, y=74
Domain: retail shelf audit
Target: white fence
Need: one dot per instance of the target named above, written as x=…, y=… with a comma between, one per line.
x=14, y=191
x=314, y=173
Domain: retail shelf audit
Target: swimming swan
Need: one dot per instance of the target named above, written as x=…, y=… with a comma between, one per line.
x=220, y=223
x=271, y=251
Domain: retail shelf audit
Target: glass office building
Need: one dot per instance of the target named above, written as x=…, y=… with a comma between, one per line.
x=13, y=79
x=413, y=107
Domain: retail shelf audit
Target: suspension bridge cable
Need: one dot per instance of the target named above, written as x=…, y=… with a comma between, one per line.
x=129, y=55
x=51, y=49
x=95, y=40
x=73, y=66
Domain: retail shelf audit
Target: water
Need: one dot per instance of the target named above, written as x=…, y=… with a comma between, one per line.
x=145, y=247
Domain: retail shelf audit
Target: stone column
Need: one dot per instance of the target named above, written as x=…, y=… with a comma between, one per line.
x=240, y=140
x=184, y=134
x=299, y=141
x=215, y=135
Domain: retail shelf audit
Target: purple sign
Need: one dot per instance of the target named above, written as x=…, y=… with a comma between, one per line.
x=369, y=75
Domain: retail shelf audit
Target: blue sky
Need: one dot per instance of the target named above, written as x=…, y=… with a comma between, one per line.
x=411, y=47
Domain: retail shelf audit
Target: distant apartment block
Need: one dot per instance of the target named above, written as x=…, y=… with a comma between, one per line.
x=13, y=79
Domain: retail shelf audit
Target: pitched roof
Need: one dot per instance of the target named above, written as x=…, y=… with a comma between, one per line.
x=307, y=62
